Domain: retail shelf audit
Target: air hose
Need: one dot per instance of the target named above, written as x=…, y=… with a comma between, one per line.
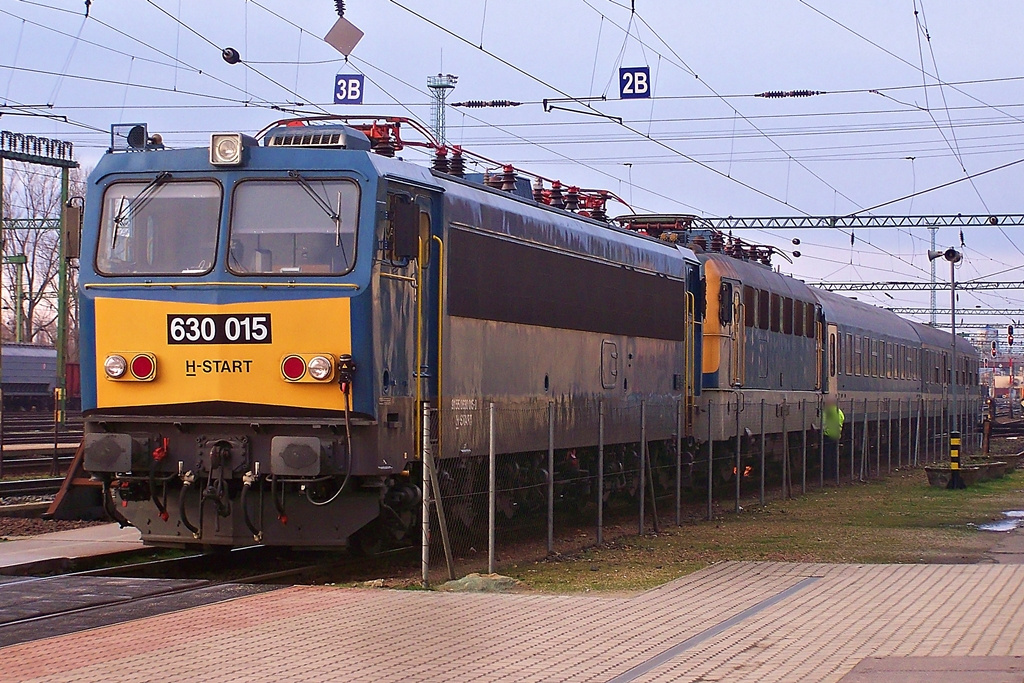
x=159, y=454
x=186, y=482
x=247, y=481
x=110, y=509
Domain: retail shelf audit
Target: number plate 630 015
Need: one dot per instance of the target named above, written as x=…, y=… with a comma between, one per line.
x=221, y=328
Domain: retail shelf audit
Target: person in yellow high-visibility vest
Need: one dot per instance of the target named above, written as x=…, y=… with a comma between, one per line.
x=832, y=420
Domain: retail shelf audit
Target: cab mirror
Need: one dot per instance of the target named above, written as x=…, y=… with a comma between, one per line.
x=73, y=231
x=405, y=227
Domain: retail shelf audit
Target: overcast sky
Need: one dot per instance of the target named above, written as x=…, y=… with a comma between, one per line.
x=705, y=144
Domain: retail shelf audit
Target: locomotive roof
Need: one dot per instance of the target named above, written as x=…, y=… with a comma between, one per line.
x=759, y=276
x=503, y=213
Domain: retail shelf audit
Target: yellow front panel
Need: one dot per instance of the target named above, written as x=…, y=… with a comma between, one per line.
x=242, y=373
x=712, y=347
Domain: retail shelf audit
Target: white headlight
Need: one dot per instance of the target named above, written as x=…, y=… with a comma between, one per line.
x=319, y=367
x=115, y=366
x=226, y=149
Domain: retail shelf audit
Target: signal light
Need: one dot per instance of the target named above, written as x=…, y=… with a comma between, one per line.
x=143, y=367
x=293, y=368
x=993, y=349
x=1009, y=335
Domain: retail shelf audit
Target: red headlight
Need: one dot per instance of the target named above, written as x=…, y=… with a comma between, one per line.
x=293, y=368
x=142, y=367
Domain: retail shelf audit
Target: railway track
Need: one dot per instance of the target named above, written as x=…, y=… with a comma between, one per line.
x=37, y=428
x=30, y=487
x=91, y=598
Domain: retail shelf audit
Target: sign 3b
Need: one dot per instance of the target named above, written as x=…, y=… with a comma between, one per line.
x=348, y=89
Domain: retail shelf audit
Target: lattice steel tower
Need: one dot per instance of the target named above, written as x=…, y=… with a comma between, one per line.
x=440, y=85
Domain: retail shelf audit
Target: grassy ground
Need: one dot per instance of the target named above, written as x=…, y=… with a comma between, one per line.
x=899, y=519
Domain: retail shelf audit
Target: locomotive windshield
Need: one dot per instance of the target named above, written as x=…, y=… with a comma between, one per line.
x=159, y=228
x=296, y=226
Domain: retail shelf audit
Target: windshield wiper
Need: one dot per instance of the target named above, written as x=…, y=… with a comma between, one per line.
x=320, y=201
x=136, y=204
x=334, y=215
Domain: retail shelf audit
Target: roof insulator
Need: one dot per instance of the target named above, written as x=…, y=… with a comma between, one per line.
x=790, y=93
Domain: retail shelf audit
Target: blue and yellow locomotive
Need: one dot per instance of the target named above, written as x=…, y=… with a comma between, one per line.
x=268, y=324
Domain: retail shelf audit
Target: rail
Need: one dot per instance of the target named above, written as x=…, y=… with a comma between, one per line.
x=30, y=487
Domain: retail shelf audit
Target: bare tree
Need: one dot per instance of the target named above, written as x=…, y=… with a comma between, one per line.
x=33, y=192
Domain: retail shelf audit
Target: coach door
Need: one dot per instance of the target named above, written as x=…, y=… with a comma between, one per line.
x=831, y=362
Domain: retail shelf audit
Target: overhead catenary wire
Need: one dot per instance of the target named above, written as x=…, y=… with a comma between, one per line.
x=354, y=59
x=588, y=105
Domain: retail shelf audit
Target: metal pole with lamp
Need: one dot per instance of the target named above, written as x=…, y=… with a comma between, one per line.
x=955, y=480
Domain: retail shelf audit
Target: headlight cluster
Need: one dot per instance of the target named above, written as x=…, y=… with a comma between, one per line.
x=141, y=368
x=296, y=368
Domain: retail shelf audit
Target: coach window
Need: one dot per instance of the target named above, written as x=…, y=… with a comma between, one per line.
x=787, y=315
x=849, y=354
x=159, y=228
x=858, y=352
x=762, y=309
x=294, y=226
x=798, y=318
x=776, y=312
x=809, y=320
x=750, y=307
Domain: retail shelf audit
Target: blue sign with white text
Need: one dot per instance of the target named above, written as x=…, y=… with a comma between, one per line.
x=348, y=89
x=634, y=82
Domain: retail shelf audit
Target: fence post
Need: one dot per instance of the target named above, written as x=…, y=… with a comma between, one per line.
x=643, y=462
x=899, y=433
x=739, y=457
x=803, y=447
x=679, y=462
x=853, y=441
x=711, y=462
x=551, y=477
x=821, y=444
x=888, y=435
x=425, y=509
x=492, y=471
x=600, y=472
x=786, y=483
x=917, y=434
x=761, y=485
x=878, y=438
x=864, y=441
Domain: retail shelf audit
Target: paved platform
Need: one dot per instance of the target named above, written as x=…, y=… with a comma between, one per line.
x=35, y=553
x=735, y=621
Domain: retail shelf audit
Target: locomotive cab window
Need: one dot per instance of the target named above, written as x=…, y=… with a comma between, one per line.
x=297, y=226
x=725, y=303
x=159, y=228
x=750, y=307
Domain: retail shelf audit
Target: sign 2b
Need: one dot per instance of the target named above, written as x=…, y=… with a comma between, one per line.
x=634, y=82
x=348, y=89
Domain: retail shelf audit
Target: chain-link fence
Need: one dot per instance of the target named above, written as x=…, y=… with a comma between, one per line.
x=521, y=481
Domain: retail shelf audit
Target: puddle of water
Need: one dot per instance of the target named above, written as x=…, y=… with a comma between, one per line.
x=1013, y=519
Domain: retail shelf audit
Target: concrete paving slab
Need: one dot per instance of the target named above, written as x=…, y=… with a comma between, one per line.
x=45, y=550
x=735, y=621
x=938, y=670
